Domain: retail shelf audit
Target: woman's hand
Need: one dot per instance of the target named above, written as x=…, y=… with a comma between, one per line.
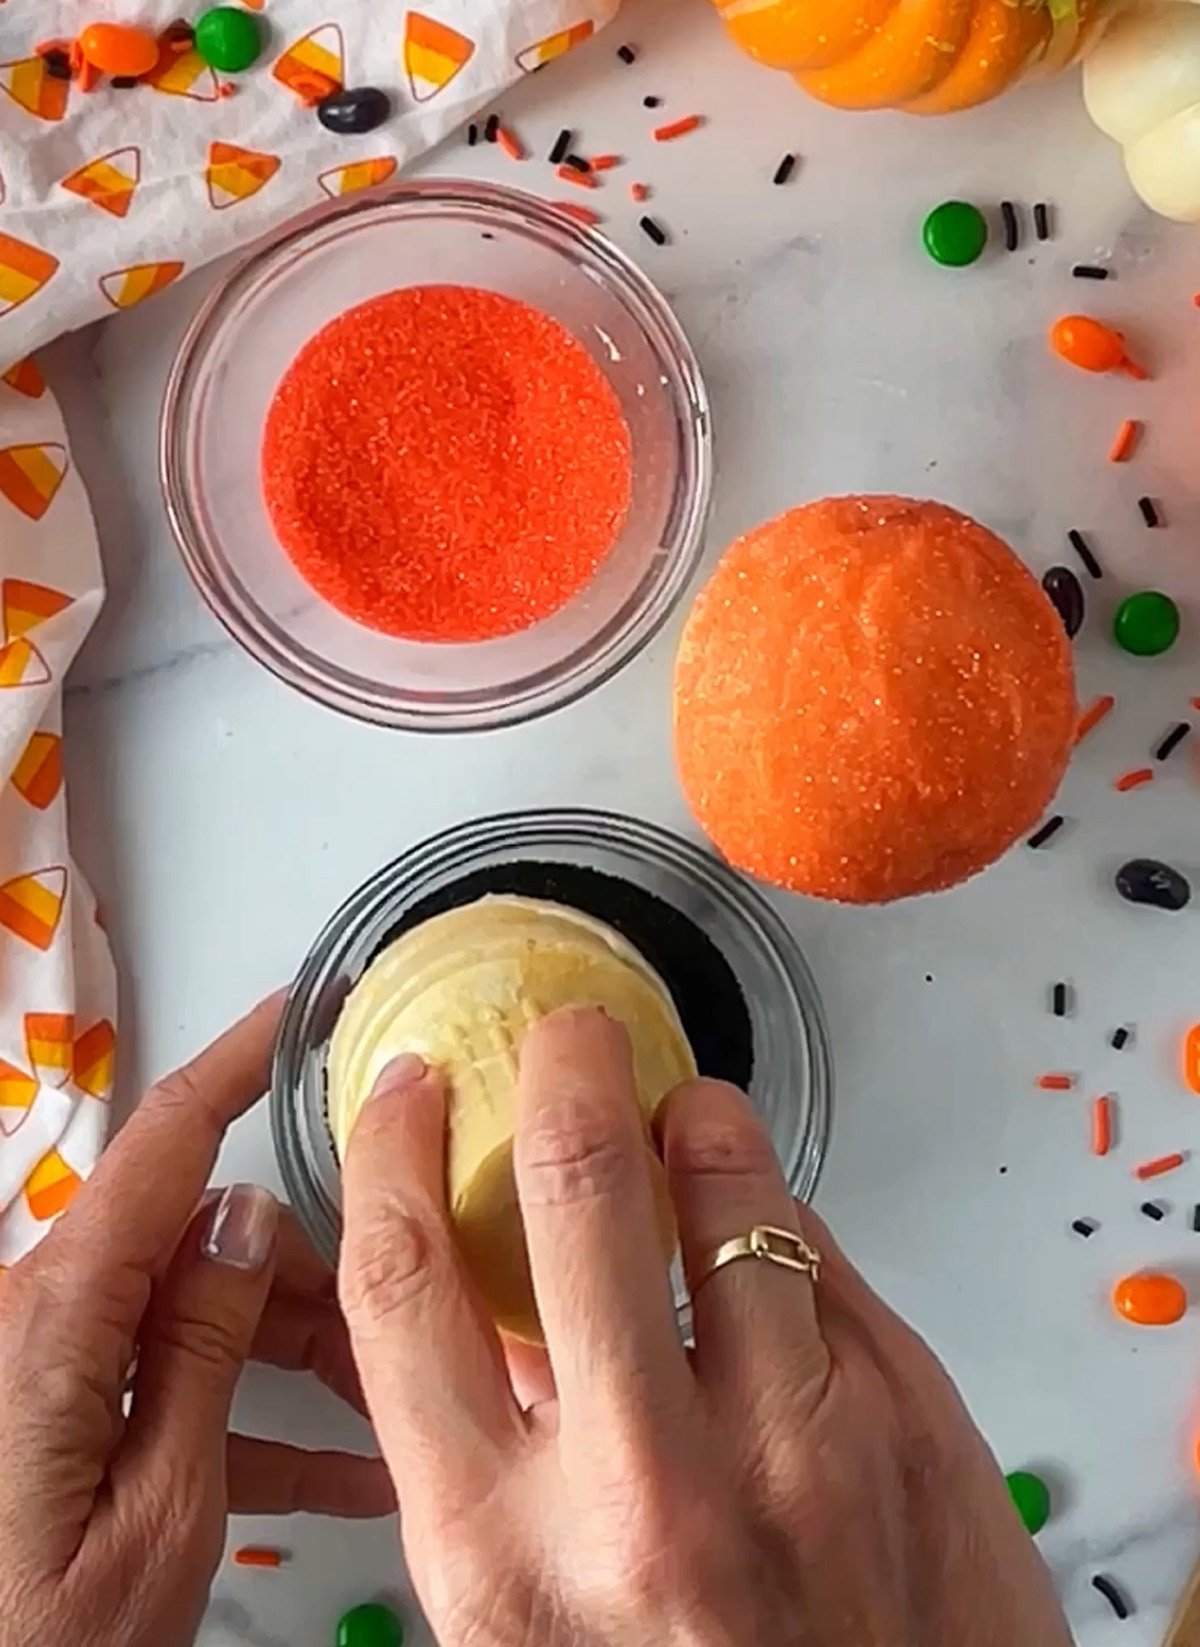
x=808, y=1478
x=111, y=1526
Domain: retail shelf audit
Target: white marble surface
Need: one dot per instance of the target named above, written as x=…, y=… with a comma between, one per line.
x=222, y=818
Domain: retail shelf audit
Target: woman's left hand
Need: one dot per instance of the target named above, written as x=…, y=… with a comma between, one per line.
x=112, y=1524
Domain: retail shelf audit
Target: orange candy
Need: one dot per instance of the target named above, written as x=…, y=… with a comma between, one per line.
x=1091, y=345
x=873, y=698
x=1150, y=1300
x=118, y=48
x=1191, y=1058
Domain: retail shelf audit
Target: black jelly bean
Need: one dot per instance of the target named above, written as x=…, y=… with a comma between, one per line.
x=1146, y=881
x=359, y=109
x=1066, y=591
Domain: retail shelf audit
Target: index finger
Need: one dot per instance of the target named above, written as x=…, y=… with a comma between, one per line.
x=132, y=1211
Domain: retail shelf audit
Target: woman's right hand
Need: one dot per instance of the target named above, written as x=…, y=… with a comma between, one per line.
x=808, y=1477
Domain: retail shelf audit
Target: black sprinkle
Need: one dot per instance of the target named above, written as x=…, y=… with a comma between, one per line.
x=1060, y=1000
x=492, y=128
x=1149, y=511
x=58, y=64
x=1120, y=1038
x=653, y=231
x=627, y=54
x=1172, y=740
x=1048, y=830
x=1090, y=271
x=1153, y=1210
x=1196, y=1218
x=651, y=102
x=562, y=144
x=784, y=169
x=1079, y=543
x=1012, y=226
x=123, y=82
x=577, y=163
x=1112, y=1595
x=472, y=135
x=1082, y=1227
x=1041, y=220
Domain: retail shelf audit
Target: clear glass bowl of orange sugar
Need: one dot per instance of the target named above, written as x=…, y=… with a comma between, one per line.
x=438, y=455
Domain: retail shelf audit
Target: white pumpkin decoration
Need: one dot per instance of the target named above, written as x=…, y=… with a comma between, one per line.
x=1142, y=86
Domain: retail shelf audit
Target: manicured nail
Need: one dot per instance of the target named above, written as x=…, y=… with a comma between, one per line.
x=242, y=1231
x=404, y=1071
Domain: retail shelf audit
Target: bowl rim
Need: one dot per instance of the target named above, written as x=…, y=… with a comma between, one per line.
x=545, y=689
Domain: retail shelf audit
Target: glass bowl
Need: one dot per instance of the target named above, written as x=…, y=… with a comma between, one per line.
x=792, y=1077
x=447, y=233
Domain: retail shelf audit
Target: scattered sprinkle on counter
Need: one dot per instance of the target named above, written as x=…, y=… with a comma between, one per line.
x=1041, y=220
x=1120, y=1039
x=1012, y=225
x=492, y=130
x=577, y=163
x=258, y=1555
x=1055, y=1081
x=603, y=162
x=1125, y=441
x=652, y=102
x=784, y=169
x=1172, y=740
x=1153, y=1210
x=472, y=135
x=1081, y=547
x=1133, y=780
x=581, y=214
x=1112, y=1595
x=1090, y=271
x=678, y=128
x=639, y=193
x=1161, y=1164
x=1059, y=1000
x=1196, y=1219
x=1148, y=510
x=1083, y=1227
x=510, y=143
x=627, y=54
x=581, y=177
x=445, y=463
x=1102, y=1124
x=1047, y=832
x=1090, y=718
x=653, y=231
x=562, y=146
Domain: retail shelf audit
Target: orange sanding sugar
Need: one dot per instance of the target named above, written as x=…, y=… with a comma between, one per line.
x=873, y=697
x=444, y=463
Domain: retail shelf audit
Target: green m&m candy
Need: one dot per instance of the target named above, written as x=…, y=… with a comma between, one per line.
x=955, y=234
x=1146, y=624
x=228, y=38
x=1031, y=1496
x=370, y=1625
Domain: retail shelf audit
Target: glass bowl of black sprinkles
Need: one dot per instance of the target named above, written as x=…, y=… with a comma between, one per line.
x=739, y=981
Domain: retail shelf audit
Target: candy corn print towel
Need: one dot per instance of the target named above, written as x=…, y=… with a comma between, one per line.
x=126, y=160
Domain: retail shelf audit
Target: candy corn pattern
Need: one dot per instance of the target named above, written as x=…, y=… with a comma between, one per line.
x=33, y=88
x=26, y=378
x=92, y=1060
x=37, y=776
x=433, y=53
x=31, y=905
x=24, y=270
x=184, y=74
x=18, y=1089
x=24, y=605
x=314, y=66
x=51, y=1187
x=359, y=174
x=109, y=181
x=30, y=476
x=554, y=45
x=125, y=287
x=235, y=174
x=48, y=1045
x=21, y=664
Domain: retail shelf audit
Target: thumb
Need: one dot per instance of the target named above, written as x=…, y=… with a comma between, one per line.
x=195, y=1340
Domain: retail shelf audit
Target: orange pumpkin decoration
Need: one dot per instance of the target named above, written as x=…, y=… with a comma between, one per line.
x=924, y=56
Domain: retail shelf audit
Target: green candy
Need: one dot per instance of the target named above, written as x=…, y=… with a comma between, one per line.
x=1031, y=1496
x=1146, y=624
x=228, y=39
x=955, y=234
x=370, y=1625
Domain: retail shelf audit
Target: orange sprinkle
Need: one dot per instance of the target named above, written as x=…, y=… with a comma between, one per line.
x=1093, y=715
x=581, y=180
x=639, y=192
x=512, y=146
x=1124, y=446
x=257, y=1555
x=1101, y=1125
x=581, y=214
x=1134, y=779
x=678, y=128
x=604, y=162
x=1056, y=1082
x=1156, y=1168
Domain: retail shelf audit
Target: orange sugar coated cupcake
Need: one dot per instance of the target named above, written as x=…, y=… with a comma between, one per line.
x=873, y=698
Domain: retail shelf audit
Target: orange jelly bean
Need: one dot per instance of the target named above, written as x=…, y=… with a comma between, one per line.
x=118, y=48
x=1150, y=1300
x=1191, y=1058
x=1089, y=344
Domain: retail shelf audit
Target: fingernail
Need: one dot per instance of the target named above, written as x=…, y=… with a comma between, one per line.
x=404, y=1071
x=241, y=1232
